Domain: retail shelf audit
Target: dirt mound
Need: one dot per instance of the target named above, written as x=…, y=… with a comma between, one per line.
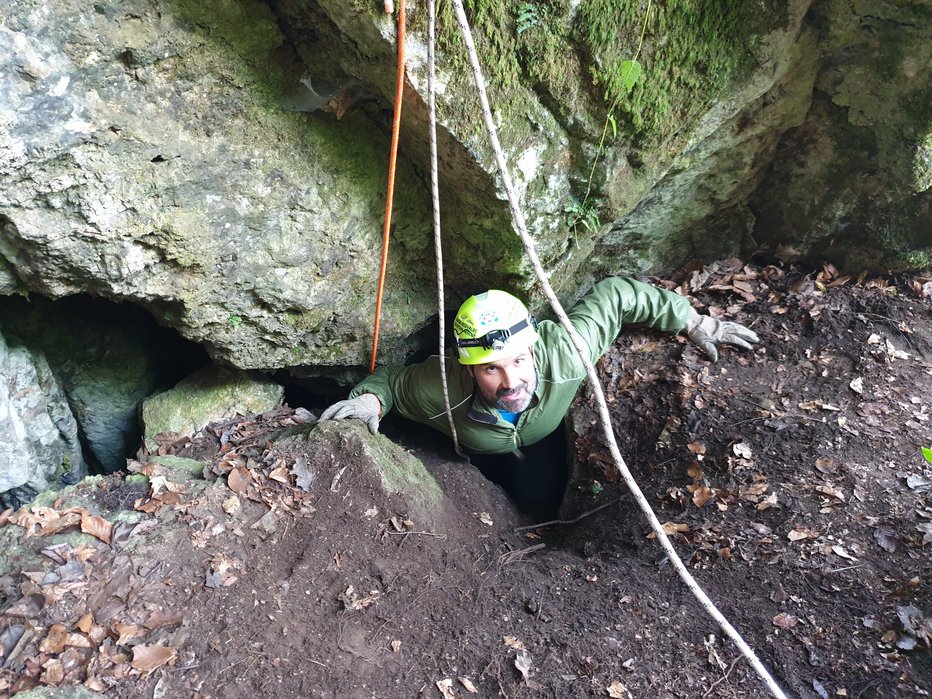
x=320, y=562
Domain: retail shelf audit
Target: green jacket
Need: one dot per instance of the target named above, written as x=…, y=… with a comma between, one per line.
x=416, y=391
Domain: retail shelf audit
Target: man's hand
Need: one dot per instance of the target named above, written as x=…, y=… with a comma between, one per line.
x=366, y=407
x=707, y=332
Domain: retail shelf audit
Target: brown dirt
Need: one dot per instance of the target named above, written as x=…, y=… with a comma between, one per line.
x=813, y=537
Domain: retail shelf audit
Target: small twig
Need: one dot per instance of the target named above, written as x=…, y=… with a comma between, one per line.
x=840, y=570
x=872, y=683
x=336, y=480
x=186, y=667
x=722, y=678
x=513, y=556
x=570, y=521
x=230, y=667
x=434, y=534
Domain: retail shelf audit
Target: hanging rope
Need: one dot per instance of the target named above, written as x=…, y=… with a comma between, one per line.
x=435, y=197
x=684, y=574
x=392, y=161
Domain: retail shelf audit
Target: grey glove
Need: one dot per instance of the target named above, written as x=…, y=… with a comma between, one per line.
x=365, y=407
x=706, y=332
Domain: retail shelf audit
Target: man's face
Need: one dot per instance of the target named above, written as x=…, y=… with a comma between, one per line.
x=507, y=384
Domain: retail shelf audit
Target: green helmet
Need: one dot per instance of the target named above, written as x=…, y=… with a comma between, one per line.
x=491, y=326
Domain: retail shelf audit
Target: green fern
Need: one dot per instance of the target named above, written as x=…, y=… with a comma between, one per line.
x=527, y=17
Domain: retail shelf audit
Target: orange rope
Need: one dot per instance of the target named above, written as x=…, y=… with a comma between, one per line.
x=396, y=127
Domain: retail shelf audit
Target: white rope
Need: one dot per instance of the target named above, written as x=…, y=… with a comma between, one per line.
x=435, y=197
x=684, y=574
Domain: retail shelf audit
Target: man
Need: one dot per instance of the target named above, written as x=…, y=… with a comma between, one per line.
x=515, y=379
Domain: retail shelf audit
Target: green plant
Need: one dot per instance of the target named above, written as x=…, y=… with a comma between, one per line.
x=235, y=320
x=629, y=72
x=926, y=452
x=582, y=213
x=527, y=17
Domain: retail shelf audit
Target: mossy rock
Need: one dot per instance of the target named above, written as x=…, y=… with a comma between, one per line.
x=210, y=395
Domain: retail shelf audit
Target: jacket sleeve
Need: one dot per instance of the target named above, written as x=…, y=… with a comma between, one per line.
x=618, y=301
x=415, y=391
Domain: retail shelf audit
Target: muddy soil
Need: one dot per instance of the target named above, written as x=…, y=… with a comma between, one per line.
x=791, y=480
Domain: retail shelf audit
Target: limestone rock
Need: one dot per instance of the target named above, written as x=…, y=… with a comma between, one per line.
x=38, y=434
x=151, y=152
x=852, y=182
x=107, y=360
x=209, y=395
x=145, y=156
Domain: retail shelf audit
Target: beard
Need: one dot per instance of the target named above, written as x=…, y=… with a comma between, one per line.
x=515, y=400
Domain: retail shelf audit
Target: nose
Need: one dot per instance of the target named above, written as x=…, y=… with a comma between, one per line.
x=510, y=378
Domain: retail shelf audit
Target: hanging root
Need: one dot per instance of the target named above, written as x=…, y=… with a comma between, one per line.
x=684, y=574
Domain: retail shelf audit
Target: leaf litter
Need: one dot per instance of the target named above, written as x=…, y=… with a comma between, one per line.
x=790, y=478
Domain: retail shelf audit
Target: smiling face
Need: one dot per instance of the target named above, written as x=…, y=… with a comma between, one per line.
x=507, y=384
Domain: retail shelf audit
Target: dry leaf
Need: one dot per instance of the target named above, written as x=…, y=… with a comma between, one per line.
x=617, y=690
x=513, y=642
x=54, y=672
x=54, y=641
x=446, y=688
x=232, y=505
x=767, y=502
x=742, y=450
x=220, y=572
x=86, y=623
x=483, y=517
x=523, y=663
x=670, y=528
x=843, y=552
x=77, y=640
x=801, y=533
x=785, y=620
x=351, y=599
x=149, y=656
x=280, y=474
x=696, y=447
x=159, y=619
x=127, y=632
x=703, y=495
x=753, y=491
x=302, y=474
x=886, y=539
x=96, y=526
x=396, y=646
x=56, y=526
x=27, y=607
x=830, y=492
x=468, y=685
x=239, y=480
